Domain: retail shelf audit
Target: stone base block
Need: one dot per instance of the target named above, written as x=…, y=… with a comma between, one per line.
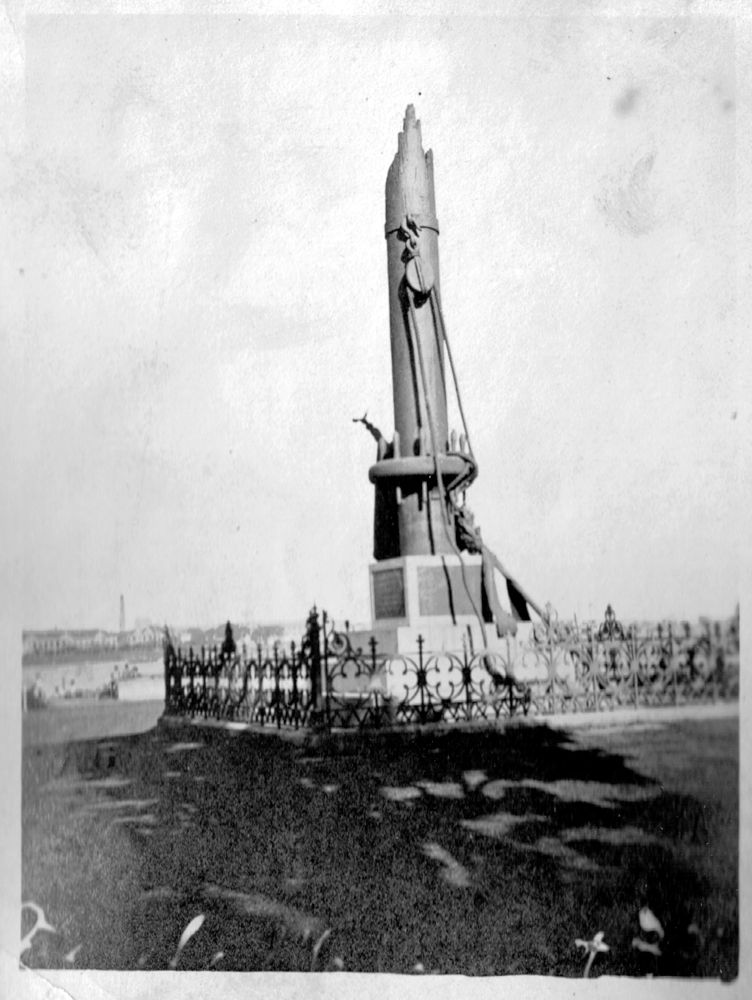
x=419, y=590
x=433, y=596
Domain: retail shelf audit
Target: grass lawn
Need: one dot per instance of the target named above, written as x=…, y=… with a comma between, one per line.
x=483, y=853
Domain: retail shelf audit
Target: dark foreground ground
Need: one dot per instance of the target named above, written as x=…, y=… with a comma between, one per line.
x=483, y=853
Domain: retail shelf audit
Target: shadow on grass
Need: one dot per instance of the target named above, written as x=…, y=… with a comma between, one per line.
x=480, y=853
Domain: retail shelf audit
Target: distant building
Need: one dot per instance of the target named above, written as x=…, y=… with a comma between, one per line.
x=48, y=644
x=247, y=638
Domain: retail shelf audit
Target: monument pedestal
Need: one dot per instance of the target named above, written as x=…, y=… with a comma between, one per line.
x=414, y=590
x=428, y=596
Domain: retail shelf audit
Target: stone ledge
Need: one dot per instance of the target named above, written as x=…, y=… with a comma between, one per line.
x=339, y=738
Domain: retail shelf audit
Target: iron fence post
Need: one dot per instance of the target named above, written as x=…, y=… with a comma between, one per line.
x=166, y=664
x=325, y=668
x=216, y=670
x=191, y=684
x=709, y=633
x=421, y=679
x=203, y=680
x=720, y=667
x=716, y=659
x=466, y=681
x=178, y=669
x=377, y=708
x=671, y=663
x=240, y=704
x=276, y=685
x=512, y=684
x=552, y=671
x=314, y=647
x=178, y=692
x=294, y=693
x=261, y=693
x=208, y=678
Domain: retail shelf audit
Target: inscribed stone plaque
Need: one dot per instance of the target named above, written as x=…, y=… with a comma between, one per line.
x=442, y=591
x=389, y=593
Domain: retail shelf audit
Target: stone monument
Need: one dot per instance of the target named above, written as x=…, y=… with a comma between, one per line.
x=431, y=574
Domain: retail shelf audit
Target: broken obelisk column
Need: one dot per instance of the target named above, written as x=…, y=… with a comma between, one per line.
x=420, y=582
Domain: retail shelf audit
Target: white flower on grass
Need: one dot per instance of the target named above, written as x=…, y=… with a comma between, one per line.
x=40, y=925
x=185, y=937
x=649, y=923
x=70, y=958
x=592, y=948
x=451, y=871
x=646, y=946
x=651, y=926
x=474, y=779
x=317, y=946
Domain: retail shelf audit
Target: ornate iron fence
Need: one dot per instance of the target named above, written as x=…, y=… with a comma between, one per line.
x=276, y=687
x=376, y=689
x=559, y=668
x=569, y=669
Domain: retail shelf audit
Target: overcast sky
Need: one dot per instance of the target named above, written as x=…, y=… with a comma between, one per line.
x=207, y=306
